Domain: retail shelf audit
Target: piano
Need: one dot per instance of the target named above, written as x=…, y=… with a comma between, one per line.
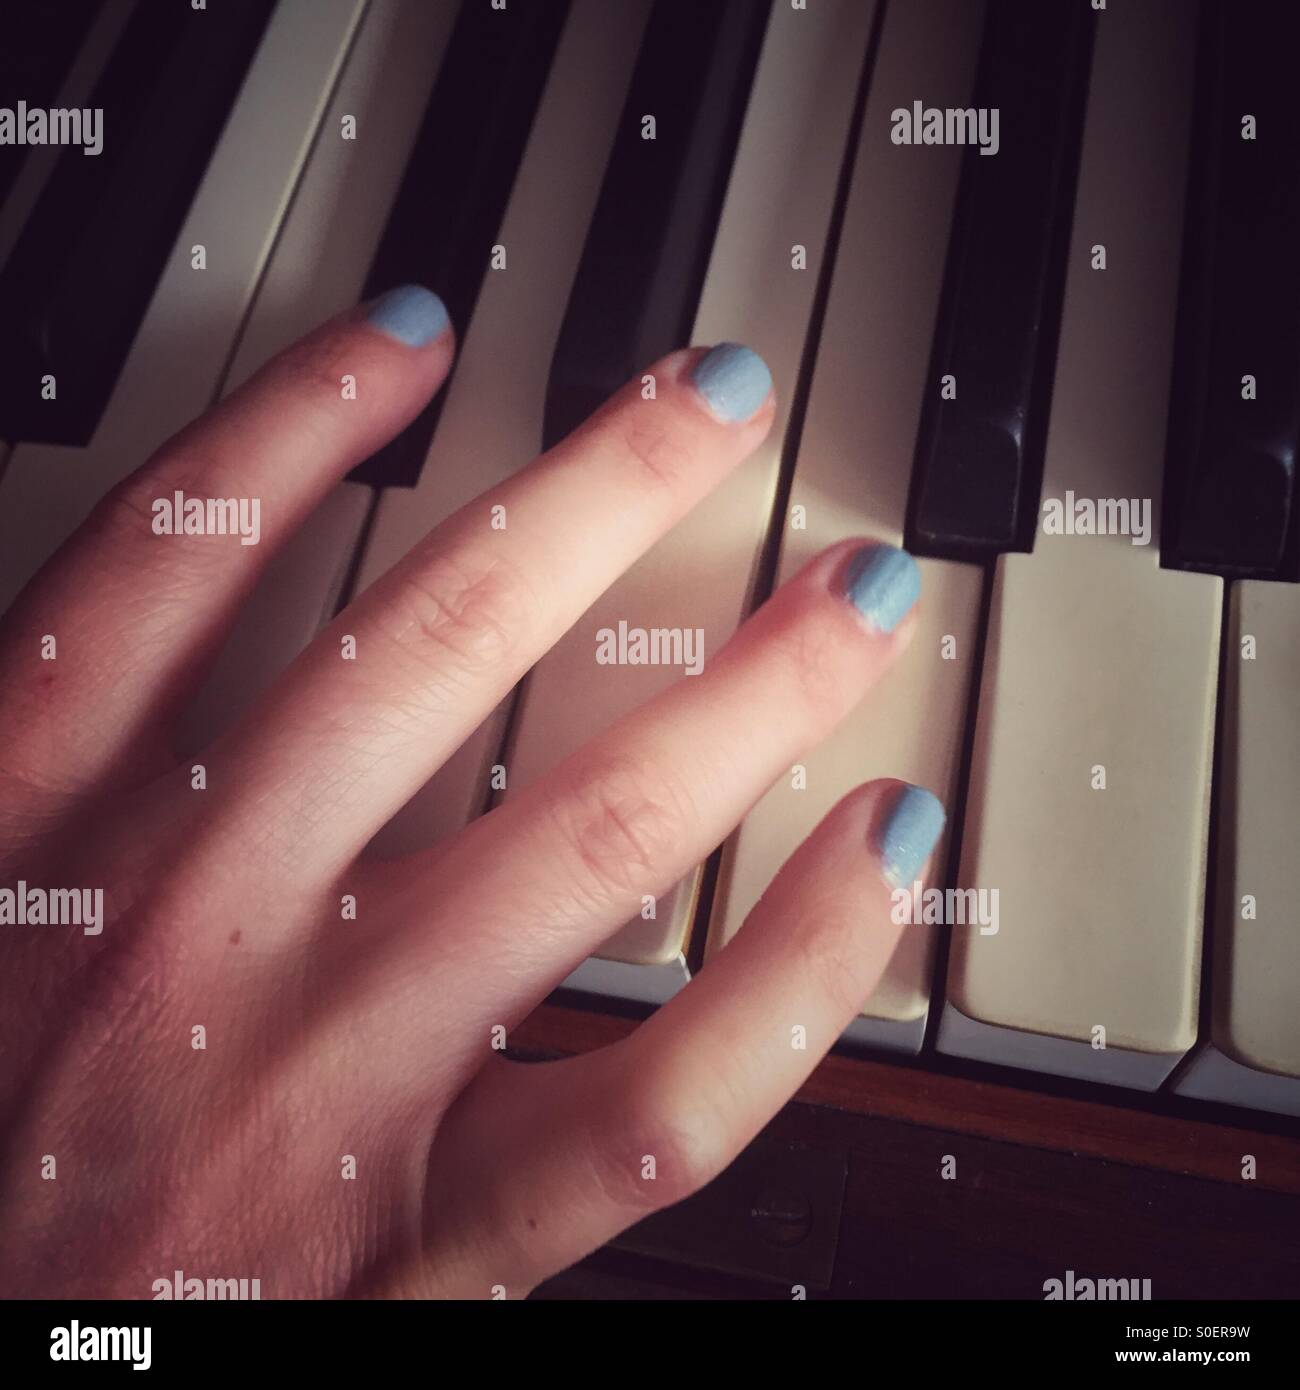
x=1063, y=371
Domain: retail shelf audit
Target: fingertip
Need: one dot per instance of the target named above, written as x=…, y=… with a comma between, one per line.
x=410, y=315
x=883, y=583
x=905, y=831
x=732, y=382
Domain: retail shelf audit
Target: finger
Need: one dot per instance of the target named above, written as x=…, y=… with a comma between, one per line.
x=643, y=1124
x=356, y=727
x=138, y=612
x=575, y=854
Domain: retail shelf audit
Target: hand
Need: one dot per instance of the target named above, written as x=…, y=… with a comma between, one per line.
x=233, y=1078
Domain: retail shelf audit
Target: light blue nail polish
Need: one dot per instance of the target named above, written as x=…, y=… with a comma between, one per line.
x=410, y=313
x=733, y=380
x=910, y=832
x=883, y=584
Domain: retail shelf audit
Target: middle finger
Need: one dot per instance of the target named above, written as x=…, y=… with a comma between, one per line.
x=402, y=677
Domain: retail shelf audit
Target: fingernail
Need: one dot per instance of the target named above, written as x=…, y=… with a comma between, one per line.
x=883, y=584
x=410, y=313
x=909, y=834
x=733, y=380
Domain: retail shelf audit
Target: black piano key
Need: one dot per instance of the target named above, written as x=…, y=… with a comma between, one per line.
x=40, y=42
x=81, y=275
x=458, y=180
x=1230, y=503
x=979, y=457
x=638, y=284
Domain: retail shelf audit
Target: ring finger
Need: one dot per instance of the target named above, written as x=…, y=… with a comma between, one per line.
x=574, y=855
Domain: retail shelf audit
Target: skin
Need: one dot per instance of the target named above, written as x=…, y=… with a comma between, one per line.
x=372, y=1038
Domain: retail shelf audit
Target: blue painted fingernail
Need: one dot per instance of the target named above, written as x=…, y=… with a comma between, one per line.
x=410, y=313
x=883, y=584
x=909, y=834
x=733, y=380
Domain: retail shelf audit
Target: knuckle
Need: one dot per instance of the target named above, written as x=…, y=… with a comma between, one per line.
x=650, y=1154
x=126, y=511
x=124, y=1000
x=315, y=365
x=623, y=824
x=126, y=514
x=826, y=944
x=471, y=611
x=655, y=450
x=814, y=658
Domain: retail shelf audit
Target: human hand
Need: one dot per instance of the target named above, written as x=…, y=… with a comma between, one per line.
x=227, y=1074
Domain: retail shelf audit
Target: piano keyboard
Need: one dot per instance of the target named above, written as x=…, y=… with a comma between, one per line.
x=1088, y=802
x=979, y=355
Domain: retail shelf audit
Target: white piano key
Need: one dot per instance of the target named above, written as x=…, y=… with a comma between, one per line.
x=781, y=194
x=852, y=477
x=319, y=265
x=174, y=367
x=1252, y=1056
x=1096, y=657
x=491, y=423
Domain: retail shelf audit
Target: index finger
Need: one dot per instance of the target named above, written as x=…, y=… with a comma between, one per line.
x=434, y=645
x=141, y=597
